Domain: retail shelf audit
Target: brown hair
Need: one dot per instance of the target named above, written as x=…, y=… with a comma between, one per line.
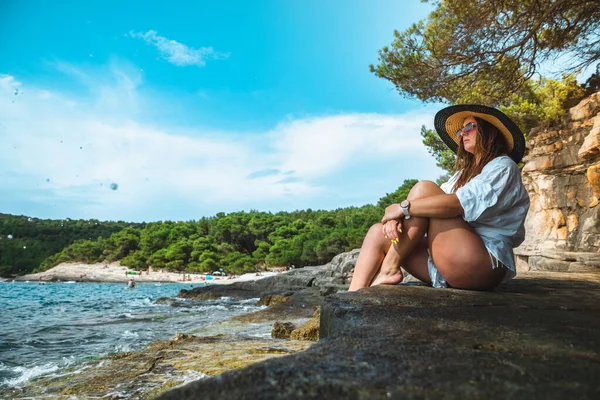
x=490, y=144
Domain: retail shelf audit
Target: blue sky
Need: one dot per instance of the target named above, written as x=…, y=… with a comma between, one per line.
x=193, y=108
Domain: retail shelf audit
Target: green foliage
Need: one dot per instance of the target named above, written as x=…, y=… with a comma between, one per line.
x=34, y=240
x=400, y=194
x=478, y=51
x=542, y=102
x=487, y=52
x=208, y=261
x=134, y=260
x=334, y=243
x=237, y=242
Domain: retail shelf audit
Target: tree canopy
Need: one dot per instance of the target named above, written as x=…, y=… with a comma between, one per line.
x=26, y=242
x=237, y=242
x=478, y=51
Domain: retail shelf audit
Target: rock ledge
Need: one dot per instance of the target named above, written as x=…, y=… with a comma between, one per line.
x=536, y=337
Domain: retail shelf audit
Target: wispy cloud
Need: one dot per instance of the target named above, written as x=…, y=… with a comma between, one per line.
x=265, y=172
x=178, y=53
x=113, y=87
x=69, y=154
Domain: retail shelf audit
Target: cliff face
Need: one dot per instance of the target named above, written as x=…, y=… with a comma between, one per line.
x=562, y=175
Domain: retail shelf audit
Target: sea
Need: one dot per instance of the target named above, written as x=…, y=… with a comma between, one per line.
x=46, y=328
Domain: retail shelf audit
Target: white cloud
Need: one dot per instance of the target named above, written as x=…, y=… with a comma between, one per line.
x=316, y=146
x=174, y=172
x=178, y=53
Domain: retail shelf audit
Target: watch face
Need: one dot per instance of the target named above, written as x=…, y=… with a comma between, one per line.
x=404, y=203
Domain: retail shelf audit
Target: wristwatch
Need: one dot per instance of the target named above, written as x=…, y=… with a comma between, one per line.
x=405, y=205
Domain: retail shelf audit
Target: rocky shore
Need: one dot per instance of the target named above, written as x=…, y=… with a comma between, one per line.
x=289, y=324
x=535, y=337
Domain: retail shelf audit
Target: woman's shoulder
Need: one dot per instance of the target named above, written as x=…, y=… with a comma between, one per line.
x=502, y=162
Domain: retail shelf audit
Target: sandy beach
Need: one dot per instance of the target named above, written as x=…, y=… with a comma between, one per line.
x=115, y=272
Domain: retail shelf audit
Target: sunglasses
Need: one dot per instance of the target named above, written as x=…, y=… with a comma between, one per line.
x=466, y=130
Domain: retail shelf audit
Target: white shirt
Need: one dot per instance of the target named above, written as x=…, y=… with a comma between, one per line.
x=495, y=204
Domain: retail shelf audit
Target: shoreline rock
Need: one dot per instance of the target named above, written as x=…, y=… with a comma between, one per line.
x=209, y=351
x=536, y=336
x=162, y=365
x=400, y=341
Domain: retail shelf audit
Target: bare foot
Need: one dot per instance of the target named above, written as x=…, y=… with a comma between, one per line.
x=390, y=278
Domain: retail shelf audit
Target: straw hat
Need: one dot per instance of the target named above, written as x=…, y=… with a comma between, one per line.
x=449, y=121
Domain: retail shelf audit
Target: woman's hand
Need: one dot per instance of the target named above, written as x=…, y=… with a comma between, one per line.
x=392, y=212
x=391, y=229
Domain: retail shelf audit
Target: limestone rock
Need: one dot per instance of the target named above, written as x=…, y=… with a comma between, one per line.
x=327, y=290
x=299, y=306
x=182, y=336
x=537, y=337
x=282, y=330
x=272, y=299
x=593, y=177
x=331, y=277
x=562, y=177
x=590, y=149
x=585, y=109
x=539, y=163
x=163, y=365
x=310, y=330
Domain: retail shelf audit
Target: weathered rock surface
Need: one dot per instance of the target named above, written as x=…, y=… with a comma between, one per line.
x=535, y=337
x=310, y=330
x=163, y=365
x=282, y=330
x=211, y=350
x=562, y=176
x=329, y=278
x=301, y=305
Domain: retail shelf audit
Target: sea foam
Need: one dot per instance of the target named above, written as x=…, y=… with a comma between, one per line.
x=25, y=374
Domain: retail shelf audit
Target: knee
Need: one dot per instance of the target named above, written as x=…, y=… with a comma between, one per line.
x=375, y=229
x=424, y=189
x=375, y=235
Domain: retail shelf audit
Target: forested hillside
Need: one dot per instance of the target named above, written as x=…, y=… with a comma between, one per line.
x=236, y=242
x=26, y=242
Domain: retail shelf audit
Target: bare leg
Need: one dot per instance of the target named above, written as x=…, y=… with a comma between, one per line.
x=379, y=262
x=416, y=262
x=460, y=255
x=413, y=230
x=457, y=251
x=372, y=253
x=390, y=272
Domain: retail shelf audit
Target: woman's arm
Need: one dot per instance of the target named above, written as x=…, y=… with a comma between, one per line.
x=439, y=206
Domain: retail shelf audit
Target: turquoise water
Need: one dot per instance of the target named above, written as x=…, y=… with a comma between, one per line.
x=45, y=328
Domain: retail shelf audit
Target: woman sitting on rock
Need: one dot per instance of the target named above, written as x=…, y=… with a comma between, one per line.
x=461, y=234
